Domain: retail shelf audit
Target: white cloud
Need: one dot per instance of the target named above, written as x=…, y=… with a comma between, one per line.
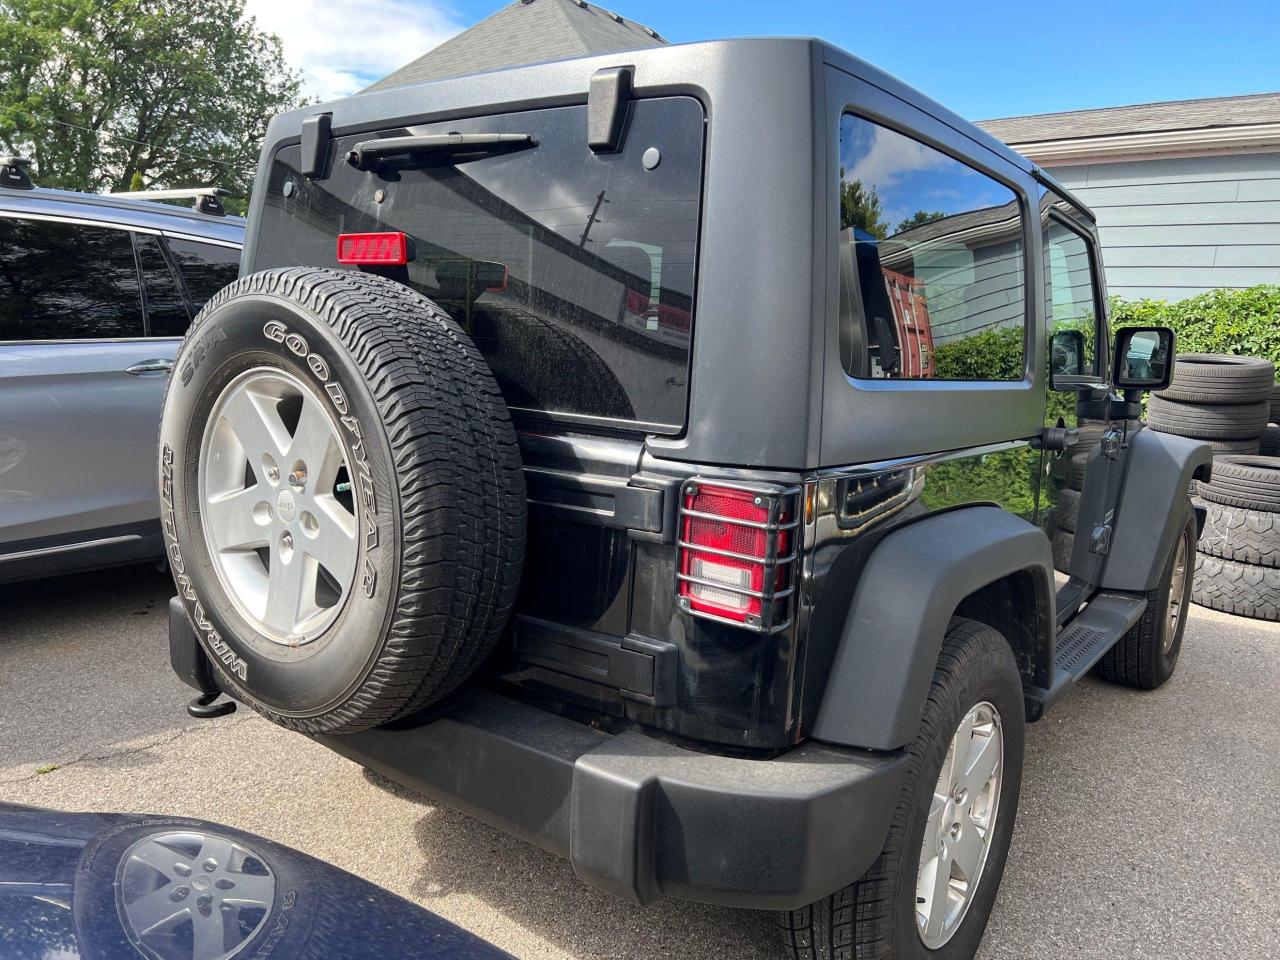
x=343, y=47
x=891, y=157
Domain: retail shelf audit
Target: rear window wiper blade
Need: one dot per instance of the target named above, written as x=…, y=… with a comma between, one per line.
x=438, y=147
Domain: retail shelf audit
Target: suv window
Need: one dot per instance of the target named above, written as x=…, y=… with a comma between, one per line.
x=206, y=267
x=1072, y=296
x=166, y=306
x=67, y=281
x=573, y=272
x=932, y=264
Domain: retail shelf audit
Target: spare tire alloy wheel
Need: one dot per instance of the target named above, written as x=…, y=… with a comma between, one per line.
x=285, y=548
x=341, y=495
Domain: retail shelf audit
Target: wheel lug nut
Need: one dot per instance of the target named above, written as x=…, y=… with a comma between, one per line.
x=286, y=541
x=273, y=474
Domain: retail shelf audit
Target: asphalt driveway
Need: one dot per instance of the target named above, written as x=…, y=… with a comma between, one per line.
x=1148, y=825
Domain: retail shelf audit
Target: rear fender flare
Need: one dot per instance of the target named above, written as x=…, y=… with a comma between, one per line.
x=905, y=597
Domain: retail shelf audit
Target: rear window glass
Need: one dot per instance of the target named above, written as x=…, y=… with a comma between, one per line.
x=572, y=271
x=206, y=267
x=67, y=281
x=931, y=263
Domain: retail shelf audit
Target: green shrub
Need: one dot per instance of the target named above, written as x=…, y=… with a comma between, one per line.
x=1244, y=322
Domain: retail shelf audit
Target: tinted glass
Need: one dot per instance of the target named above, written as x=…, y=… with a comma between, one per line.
x=931, y=263
x=572, y=271
x=64, y=281
x=1070, y=296
x=205, y=267
x=166, y=306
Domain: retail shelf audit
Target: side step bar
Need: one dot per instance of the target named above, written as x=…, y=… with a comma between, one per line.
x=1083, y=641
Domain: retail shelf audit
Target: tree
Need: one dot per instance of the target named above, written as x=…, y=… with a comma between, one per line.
x=104, y=94
x=860, y=207
x=919, y=218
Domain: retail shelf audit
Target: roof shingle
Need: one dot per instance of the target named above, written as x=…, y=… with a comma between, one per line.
x=523, y=32
x=1138, y=118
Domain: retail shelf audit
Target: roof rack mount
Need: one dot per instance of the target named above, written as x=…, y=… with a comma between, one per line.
x=13, y=173
x=206, y=198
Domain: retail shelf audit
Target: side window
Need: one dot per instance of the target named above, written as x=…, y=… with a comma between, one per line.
x=932, y=263
x=1072, y=291
x=166, y=306
x=66, y=281
x=206, y=267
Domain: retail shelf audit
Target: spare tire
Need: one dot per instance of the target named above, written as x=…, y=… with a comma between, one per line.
x=1220, y=378
x=342, y=497
x=1208, y=421
x=1251, y=483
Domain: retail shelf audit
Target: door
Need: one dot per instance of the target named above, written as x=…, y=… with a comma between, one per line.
x=81, y=384
x=1078, y=499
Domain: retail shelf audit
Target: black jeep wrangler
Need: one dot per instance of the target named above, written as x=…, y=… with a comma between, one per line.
x=701, y=462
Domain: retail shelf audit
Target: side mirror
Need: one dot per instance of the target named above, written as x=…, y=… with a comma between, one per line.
x=1066, y=358
x=1144, y=358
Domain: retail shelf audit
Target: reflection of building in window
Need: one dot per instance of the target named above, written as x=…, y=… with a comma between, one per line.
x=950, y=276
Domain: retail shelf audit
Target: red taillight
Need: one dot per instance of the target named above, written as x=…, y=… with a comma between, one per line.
x=373, y=249
x=735, y=552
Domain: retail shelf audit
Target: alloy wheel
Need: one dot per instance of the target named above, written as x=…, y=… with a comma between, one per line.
x=960, y=827
x=276, y=505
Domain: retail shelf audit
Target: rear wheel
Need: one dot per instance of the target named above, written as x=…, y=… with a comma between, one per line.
x=930, y=893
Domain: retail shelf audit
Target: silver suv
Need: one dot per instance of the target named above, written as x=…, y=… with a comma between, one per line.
x=95, y=295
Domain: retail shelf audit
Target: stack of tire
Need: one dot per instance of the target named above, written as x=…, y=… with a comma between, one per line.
x=1238, y=557
x=1232, y=403
x=1222, y=399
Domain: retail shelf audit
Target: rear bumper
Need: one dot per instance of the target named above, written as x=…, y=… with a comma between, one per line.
x=639, y=817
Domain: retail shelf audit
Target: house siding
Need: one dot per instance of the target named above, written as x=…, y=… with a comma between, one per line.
x=1175, y=227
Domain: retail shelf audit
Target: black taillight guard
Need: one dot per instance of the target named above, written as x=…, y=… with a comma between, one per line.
x=781, y=506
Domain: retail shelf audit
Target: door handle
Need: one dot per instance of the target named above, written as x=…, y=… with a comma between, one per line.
x=157, y=365
x=1056, y=438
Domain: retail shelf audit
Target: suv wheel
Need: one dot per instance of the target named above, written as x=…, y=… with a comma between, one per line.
x=931, y=891
x=1147, y=655
x=342, y=497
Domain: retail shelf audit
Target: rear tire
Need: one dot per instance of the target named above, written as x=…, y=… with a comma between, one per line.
x=877, y=915
x=1147, y=655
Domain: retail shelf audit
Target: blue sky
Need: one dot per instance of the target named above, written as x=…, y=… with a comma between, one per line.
x=983, y=60
x=998, y=59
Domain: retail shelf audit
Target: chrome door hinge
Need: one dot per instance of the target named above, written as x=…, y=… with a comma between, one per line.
x=1112, y=441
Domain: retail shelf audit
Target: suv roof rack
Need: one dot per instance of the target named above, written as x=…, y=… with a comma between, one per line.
x=13, y=173
x=206, y=198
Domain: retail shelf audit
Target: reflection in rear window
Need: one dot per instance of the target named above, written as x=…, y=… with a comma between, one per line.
x=572, y=271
